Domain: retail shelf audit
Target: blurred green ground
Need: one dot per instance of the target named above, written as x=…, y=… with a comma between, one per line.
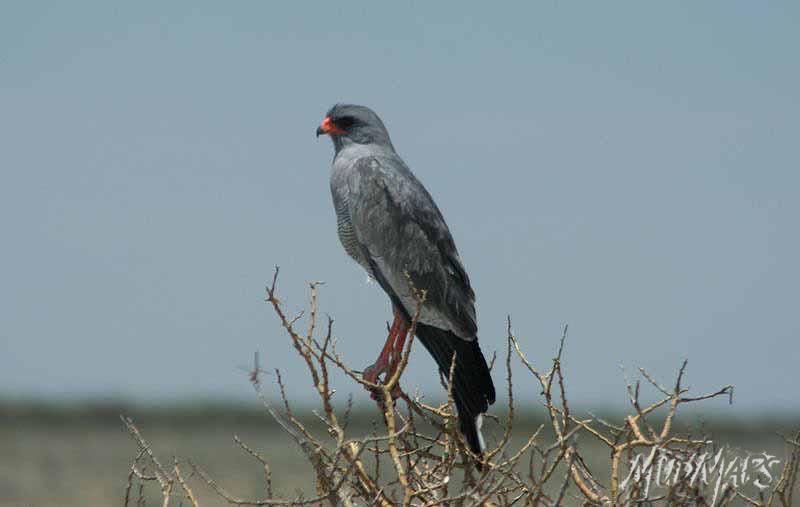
x=79, y=454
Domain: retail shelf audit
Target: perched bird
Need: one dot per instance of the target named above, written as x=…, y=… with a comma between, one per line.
x=389, y=224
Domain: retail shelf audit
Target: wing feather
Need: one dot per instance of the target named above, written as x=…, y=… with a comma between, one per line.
x=401, y=230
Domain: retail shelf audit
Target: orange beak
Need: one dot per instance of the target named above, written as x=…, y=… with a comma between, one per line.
x=328, y=127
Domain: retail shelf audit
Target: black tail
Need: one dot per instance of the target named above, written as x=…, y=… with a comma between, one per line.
x=473, y=390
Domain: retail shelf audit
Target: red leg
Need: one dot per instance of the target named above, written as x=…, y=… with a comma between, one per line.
x=389, y=358
x=381, y=364
x=397, y=354
x=400, y=341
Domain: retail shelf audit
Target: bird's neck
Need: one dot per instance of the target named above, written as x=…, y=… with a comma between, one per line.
x=352, y=151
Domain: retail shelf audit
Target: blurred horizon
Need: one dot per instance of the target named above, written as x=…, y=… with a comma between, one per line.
x=631, y=172
x=84, y=454
x=691, y=417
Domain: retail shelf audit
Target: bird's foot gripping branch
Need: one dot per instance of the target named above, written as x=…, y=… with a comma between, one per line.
x=390, y=358
x=417, y=455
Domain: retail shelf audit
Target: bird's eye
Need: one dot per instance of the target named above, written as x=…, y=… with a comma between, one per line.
x=345, y=122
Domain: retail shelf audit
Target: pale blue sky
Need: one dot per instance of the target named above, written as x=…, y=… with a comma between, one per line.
x=632, y=171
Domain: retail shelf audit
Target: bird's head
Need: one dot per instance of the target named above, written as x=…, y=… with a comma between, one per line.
x=351, y=124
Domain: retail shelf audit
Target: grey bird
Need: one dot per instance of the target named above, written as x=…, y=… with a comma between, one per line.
x=389, y=224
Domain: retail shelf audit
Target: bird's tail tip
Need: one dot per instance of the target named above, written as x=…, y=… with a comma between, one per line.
x=473, y=436
x=473, y=389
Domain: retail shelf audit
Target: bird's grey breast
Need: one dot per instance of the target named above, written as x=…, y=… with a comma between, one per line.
x=342, y=195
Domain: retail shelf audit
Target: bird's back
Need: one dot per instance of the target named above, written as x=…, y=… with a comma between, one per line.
x=390, y=225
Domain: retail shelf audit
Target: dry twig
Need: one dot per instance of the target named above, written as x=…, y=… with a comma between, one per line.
x=431, y=466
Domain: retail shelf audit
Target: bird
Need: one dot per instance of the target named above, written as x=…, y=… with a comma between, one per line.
x=390, y=225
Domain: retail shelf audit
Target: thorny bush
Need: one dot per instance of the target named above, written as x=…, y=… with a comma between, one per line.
x=428, y=462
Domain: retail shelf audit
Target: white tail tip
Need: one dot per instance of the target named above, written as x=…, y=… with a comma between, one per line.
x=478, y=424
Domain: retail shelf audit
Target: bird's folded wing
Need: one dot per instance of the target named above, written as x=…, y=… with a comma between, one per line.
x=404, y=236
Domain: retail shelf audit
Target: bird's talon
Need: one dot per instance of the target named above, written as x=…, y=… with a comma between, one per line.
x=396, y=392
x=371, y=373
